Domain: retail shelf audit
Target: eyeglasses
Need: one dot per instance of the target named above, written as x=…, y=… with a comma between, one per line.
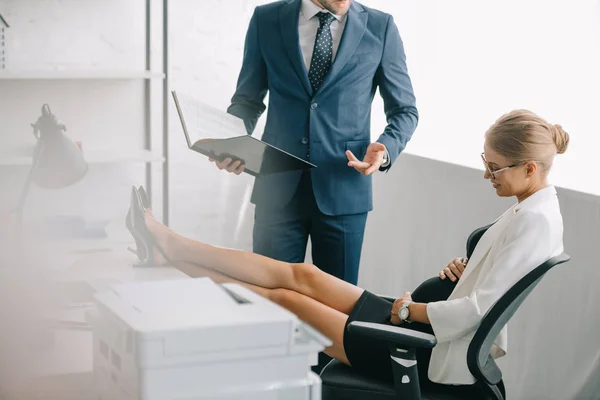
x=493, y=172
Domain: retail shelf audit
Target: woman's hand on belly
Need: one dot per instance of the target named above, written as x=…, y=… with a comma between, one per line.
x=454, y=269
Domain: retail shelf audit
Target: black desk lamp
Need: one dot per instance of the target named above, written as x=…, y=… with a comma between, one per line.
x=57, y=161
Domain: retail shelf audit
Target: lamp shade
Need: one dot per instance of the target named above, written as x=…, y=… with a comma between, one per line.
x=57, y=160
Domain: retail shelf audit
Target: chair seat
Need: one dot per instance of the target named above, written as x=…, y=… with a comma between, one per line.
x=341, y=382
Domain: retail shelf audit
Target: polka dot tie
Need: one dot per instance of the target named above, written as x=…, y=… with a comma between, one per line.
x=322, y=53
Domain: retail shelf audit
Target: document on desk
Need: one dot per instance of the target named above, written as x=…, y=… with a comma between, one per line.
x=219, y=135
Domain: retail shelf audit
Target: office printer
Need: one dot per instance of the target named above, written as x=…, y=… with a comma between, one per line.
x=195, y=339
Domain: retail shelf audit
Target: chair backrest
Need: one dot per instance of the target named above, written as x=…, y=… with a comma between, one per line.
x=474, y=239
x=479, y=361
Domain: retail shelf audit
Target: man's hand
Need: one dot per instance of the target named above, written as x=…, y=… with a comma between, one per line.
x=395, y=319
x=454, y=270
x=371, y=163
x=235, y=167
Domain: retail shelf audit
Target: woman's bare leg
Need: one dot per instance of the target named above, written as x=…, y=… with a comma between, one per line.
x=329, y=321
x=197, y=271
x=258, y=270
x=326, y=320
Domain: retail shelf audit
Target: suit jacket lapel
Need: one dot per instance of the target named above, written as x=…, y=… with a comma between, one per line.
x=354, y=30
x=288, y=24
x=484, y=245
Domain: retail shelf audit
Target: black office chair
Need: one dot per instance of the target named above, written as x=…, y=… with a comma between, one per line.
x=341, y=382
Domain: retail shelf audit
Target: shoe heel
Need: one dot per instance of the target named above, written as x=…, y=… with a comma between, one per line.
x=141, y=248
x=138, y=223
x=145, y=200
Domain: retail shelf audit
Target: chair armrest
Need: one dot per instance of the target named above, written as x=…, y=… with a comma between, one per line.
x=394, y=334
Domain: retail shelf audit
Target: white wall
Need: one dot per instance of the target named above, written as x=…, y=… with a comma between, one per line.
x=473, y=61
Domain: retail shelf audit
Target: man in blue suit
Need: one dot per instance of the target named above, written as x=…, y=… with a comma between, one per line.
x=321, y=62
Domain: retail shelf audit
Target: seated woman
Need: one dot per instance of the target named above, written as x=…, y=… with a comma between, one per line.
x=519, y=151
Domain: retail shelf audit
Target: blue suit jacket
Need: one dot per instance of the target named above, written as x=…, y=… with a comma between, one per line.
x=320, y=127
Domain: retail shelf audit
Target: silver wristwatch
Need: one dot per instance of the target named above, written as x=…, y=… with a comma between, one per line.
x=404, y=312
x=386, y=160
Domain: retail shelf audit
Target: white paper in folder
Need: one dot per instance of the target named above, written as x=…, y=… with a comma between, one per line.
x=204, y=121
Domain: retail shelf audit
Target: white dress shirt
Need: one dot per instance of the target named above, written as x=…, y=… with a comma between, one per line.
x=308, y=23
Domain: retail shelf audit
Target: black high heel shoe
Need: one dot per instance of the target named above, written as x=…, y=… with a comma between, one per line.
x=139, y=250
x=146, y=240
x=144, y=197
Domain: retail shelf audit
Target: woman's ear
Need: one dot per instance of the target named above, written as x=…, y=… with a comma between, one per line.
x=531, y=168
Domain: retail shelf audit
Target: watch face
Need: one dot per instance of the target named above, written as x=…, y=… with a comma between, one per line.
x=403, y=313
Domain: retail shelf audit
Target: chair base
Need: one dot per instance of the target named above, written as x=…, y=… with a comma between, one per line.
x=341, y=382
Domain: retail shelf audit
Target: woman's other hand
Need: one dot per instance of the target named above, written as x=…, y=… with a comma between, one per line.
x=454, y=269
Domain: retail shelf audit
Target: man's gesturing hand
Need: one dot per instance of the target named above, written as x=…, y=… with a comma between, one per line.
x=372, y=161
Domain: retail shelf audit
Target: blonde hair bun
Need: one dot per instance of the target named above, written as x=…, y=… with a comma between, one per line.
x=561, y=138
x=522, y=135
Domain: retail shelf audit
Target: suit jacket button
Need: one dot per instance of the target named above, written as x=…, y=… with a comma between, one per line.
x=304, y=140
x=314, y=106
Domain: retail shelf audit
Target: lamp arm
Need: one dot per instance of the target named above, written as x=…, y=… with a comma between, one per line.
x=27, y=186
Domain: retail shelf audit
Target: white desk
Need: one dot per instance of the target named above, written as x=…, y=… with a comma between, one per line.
x=98, y=271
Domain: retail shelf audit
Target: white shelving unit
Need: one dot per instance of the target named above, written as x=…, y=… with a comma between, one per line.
x=95, y=156
x=84, y=75
x=155, y=69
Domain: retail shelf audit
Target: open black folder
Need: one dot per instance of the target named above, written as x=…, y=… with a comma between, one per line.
x=222, y=135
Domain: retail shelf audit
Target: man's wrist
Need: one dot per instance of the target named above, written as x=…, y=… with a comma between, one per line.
x=387, y=163
x=386, y=160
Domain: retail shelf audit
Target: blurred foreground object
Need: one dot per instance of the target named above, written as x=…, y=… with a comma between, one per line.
x=3, y=26
x=57, y=160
